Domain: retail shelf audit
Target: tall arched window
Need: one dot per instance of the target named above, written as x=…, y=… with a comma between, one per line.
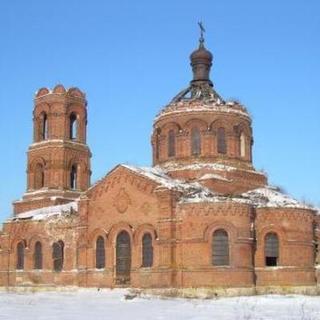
x=271, y=249
x=39, y=176
x=100, y=253
x=147, y=250
x=221, y=141
x=20, y=256
x=44, y=127
x=220, y=248
x=57, y=255
x=73, y=177
x=242, y=145
x=73, y=126
x=171, y=144
x=195, y=141
x=37, y=256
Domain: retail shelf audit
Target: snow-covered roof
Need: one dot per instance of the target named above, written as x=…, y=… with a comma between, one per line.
x=266, y=197
x=159, y=176
x=46, y=212
x=194, y=192
x=273, y=197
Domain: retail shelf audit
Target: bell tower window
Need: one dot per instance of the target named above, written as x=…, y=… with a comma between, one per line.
x=73, y=129
x=44, y=128
x=73, y=177
x=39, y=176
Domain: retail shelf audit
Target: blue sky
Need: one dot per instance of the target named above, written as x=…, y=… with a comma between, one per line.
x=132, y=57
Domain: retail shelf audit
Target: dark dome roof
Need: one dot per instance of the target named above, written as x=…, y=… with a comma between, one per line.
x=201, y=54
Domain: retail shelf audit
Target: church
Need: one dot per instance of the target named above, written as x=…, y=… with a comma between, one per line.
x=200, y=217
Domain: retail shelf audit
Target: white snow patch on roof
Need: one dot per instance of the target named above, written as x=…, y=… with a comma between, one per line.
x=193, y=190
x=46, y=212
x=261, y=198
x=272, y=197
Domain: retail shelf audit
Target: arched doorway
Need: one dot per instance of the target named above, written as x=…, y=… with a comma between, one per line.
x=123, y=258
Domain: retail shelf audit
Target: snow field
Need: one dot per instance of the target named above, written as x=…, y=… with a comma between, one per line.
x=111, y=304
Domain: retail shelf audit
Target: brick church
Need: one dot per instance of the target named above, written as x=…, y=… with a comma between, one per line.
x=200, y=217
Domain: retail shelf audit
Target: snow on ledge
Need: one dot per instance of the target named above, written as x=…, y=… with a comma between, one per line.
x=182, y=107
x=171, y=166
x=46, y=212
x=214, y=176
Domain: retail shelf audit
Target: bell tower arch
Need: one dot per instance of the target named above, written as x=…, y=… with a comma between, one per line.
x=58, y=165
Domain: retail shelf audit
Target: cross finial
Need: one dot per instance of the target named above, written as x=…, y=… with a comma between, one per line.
x=202, y=30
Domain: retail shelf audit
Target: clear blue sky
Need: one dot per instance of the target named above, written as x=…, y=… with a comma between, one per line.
x=132, y=57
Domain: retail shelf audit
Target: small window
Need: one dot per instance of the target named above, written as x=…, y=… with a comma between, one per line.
x=171, y=144
x=220, y=248
x=271, y=250
x=44, y=127
x=39, y=176
x=195, y=141
x=73, y=126
x=147, y=250
x=222, y=143
x=242, y=145
x=57, y=255
x=38, y=255
x=73, y=177
x=20, y=256
x=100, y=253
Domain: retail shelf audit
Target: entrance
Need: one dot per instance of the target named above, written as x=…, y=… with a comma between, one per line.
x=123, y=258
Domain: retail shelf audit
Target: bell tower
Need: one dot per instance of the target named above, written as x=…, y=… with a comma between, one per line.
x=58, y=168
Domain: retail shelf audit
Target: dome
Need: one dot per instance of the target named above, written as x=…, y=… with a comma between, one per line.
x=201, y=54
x=199, y=127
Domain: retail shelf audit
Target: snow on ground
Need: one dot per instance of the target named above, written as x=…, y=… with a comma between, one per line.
x=111, y=304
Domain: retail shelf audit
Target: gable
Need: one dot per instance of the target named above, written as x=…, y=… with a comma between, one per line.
x=122, y=195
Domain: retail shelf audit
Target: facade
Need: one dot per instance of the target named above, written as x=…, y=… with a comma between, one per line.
x=200, y=217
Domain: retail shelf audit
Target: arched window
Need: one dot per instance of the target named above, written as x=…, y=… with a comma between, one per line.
x=37, y=257
x=220, y=248
x=39, y=176
x=147, y=250
x=100, y=253
x=271, y=249
x=57, y=255
x=20, y=256
x=242, y=145
x=73, y=177
x=221, y=139
x=171, y=144
x=44, y=127
x=123, y=257
x=73, y=126
x=195, y=141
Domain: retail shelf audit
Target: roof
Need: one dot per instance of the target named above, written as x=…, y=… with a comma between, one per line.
x=159, y=176
x=191, y=192
x=46, y=212
x=194, y=192
x=265, y=197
